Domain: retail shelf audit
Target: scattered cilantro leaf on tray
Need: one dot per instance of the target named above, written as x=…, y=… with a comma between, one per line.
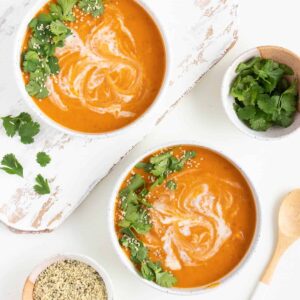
x=263, y=95
x=43, y=159
x=42, y=185
x=23, y=125
x=10, y=165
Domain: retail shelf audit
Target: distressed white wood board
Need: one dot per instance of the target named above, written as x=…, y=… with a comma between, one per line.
x=200, y=32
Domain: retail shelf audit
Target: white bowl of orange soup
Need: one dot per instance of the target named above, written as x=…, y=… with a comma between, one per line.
x=198, y=225
x=113, y=68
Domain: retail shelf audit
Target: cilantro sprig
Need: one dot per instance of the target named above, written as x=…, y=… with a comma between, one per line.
x=49, y=32
x=43, y=159
x=160, y=166
x=42, y=185
x=93, y=7
x=23, y=125
x=11, y=165
x=139, y=255
x=263, y=95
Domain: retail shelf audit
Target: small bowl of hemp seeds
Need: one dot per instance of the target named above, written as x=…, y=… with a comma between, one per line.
x=68, y=277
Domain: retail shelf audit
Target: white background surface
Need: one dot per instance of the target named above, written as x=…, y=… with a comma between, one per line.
x=272, y=166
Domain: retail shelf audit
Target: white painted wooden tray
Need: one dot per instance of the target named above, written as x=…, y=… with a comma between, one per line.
x=200, y=32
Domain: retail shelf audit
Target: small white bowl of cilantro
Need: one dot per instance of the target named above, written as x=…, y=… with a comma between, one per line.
x=260, y=92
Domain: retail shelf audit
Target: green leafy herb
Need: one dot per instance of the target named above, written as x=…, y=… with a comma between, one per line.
x=171, y=185
x=93, y=7
x=10, y=165
x=160, y=166
x=48, y=32
x=23, y=125
x=263, y=96
x=42, y=185
x=43, y=159
x=139, y=255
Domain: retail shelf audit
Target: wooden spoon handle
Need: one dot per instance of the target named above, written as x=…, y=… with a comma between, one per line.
x=282, y=244
x=261, y=289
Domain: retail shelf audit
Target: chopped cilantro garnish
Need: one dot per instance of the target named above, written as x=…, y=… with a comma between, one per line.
x=135, y=212
x=48, y=32
x=139, y=255
x=10, y=165
x=171, y=185
x=263, y=96
x=23, y=125
x=93, y=7
x=43, y=159
x=163, y=164
x=42, y=185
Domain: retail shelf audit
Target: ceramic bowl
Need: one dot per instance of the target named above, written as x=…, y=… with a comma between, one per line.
x=129, y=265
x=273, y=52
x=124, y=130
x=29, y=283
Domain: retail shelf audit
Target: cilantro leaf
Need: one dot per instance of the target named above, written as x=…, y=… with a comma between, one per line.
x=10, y=165
x=58, y=28
x=260, y=122
x=10, y=125
x=65, y=13
x=42, y=185
x=43, y=159
x=93, y=7
x=246, y=113
x=22, y=124
x=171, y=185
x=27, y=131
x=165, y=279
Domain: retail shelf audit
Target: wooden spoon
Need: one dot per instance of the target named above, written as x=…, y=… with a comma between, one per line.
x=289, y=231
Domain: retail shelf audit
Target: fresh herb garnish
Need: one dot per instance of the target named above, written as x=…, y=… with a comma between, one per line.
x=135, y=206
x=135, y=212
x=42, y=185
x=139, y=255
x=93, y=7
x=171, y=185
x=263, y=96
x=48, y=32
x=10, y=165
x=43, y=159
x=23, y=125
x=160, y=166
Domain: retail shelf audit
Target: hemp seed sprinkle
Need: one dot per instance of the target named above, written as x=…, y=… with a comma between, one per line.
x=69, y=280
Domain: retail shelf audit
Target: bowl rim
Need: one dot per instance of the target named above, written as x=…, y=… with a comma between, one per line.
x=36, y=271
x=129, y=265
x=17, y=51
x=225, y=86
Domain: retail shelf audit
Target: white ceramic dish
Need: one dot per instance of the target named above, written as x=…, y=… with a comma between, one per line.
x=20, y=82
x=129, y=265
x=277, y=53
x=29, y=284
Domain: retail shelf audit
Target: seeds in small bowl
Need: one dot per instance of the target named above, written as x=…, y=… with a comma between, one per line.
x=66, y=277
x=69, y=279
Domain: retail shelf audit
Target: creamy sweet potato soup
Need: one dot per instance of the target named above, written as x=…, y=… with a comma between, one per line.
x=111, y=68
x=195, y=215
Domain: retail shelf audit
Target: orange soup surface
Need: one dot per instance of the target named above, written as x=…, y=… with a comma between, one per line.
x=111, y=69
x=202, y=229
